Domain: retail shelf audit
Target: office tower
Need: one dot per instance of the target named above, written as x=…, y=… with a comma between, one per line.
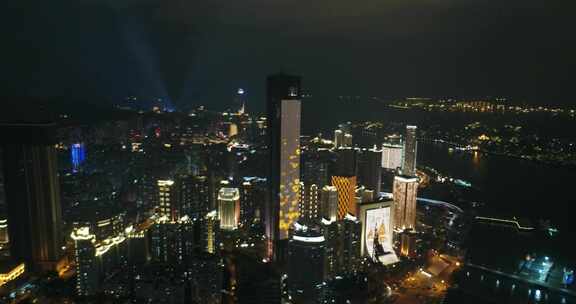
x=329, y=203
x=168, y=200
x=306, y=253
x=410, y=150
x=346, y=188
x=87, y=275
x=404, y=193
x=283, y=119
x=347, y=141
x=392, y=155
x=309, y=208
x=338, y=138
x=32, y=194
x=369, y=173
x=194, y=195
x=229, y=208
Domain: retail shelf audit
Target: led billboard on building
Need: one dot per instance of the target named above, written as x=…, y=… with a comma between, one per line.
x=377, y=234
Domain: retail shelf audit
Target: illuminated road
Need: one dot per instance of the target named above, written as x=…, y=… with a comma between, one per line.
x=504, y=221
x=429, y=201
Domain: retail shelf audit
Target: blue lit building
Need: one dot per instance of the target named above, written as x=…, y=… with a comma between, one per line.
x=78, y=155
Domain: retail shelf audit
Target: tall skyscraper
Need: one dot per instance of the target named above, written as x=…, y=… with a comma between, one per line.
x=392, y=156
x=309, y=203
x=410, y=150
x=338, y=138
x=229, y=208
x=329, y=203
x=87, y=275
x=346, y=187
x=194, y=195
x=283, y=113
x=210, y=232
x=168, y=200
x=369, y=173
x=240, y=101
x=32, y=194
x=404, y=193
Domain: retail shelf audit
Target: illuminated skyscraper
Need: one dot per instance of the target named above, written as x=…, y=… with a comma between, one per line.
x=283, y=118
x=329, y=203
x=309, y=203
x=346, y=187
x=87, y=275
x=78, y=155
x=391, y=156
x=410, y=150
x=240, y=101
x=404, y=193
x=168, y=200
x=338, y=138
x=229, y=208
x=32, y=194
x=210, y=232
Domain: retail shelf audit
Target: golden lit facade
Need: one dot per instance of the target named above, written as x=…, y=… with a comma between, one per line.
x=405, y=190
x=289, y=166
x=211, y=230
x=346, y=187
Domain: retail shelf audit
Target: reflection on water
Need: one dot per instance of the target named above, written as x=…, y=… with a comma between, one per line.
x=508, y=186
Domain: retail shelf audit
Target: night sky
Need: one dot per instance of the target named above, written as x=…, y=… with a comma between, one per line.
x=194, y=52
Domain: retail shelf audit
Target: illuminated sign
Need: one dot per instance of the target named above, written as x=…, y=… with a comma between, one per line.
x=378, y=235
